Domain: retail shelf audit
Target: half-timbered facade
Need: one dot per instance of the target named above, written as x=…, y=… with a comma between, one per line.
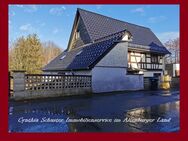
x=144, y=62
x=117, y=54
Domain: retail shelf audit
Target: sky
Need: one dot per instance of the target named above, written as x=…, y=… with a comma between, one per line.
x=54, y=22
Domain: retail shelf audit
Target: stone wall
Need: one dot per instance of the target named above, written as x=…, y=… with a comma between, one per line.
x=32, y=86
x=25, y=95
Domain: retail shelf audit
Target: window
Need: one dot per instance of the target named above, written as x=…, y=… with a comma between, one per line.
x=154, y=59
x=62, y=57
x=77, y=34
x=79, y=53
x=146, y=61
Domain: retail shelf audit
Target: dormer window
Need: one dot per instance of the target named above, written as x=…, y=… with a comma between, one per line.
x=127, y=36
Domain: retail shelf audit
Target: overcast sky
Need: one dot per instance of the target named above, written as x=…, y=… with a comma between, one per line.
x=54, y=22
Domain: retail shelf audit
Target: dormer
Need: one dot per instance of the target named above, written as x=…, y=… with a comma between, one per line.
x=127, y=36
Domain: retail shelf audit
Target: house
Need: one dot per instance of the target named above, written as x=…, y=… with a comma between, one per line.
x=173, y=69
x=117, y=54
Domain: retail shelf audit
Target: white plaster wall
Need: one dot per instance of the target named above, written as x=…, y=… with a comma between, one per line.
x=126, y=37
x=110, y=73
x=114, y=79
x=151, y=73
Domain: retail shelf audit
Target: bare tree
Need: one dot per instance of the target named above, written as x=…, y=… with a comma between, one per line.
x=50, y=51
x=174, y=48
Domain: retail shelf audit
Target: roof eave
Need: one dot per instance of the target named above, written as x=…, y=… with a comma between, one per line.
x=55, y=70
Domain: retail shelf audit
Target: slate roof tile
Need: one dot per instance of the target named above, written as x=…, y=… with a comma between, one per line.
x=99, y=26
x=84, y=57
x=104, y=33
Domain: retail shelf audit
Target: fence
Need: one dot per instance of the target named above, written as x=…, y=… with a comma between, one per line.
x=48, y=82
x=29, y=86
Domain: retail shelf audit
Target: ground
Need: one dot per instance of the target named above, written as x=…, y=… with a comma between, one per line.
x=141, y=111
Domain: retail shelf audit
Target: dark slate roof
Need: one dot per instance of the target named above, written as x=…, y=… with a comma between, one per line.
x=158, y=49
x=58, y=64
x=104, y=33
x=99, y=26
x=84, y=57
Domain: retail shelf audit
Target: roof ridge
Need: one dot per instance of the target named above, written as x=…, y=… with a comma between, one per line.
x=85, y=45
x=108, y=36
x=98, y=40
x=112, y=18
